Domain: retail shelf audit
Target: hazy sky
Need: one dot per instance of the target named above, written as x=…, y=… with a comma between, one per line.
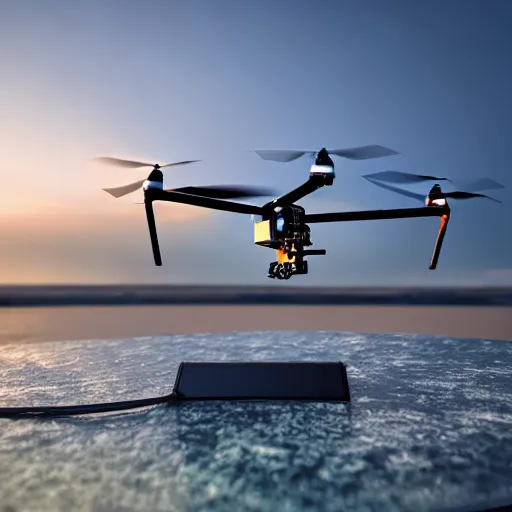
x=207, y=79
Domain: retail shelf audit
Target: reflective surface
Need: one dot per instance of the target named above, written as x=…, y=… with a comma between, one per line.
x=429, y=428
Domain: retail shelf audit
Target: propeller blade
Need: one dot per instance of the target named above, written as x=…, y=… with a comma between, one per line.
x=125, y=189
x=184, y=162
x=363, y=152
x=467, y=195
x=412, y=195
x=281, y=155
x=479, y=184
x=421, y=198
x=402, y=177
x=358, y=153
x=225, y=191
x=118, y=162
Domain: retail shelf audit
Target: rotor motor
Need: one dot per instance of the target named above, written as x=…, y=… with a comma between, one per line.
x=155, y=179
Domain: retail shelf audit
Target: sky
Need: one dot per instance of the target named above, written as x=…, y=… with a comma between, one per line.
x=168, y=80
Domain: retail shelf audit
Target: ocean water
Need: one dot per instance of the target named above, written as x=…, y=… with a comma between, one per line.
x=429, y=428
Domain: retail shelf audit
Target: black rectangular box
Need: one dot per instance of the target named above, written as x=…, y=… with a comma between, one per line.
x=313, y=381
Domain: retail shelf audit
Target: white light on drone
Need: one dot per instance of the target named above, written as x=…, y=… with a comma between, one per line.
x=437, y=202
x=152, y=184
x=321, y=169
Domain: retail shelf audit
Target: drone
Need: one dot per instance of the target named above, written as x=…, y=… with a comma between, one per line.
x=283, y=225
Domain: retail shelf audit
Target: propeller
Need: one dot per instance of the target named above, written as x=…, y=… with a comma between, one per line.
x=118, y=162
x=435, y=192
x=225, y=191
x=125, y=189
x=156, y=174
x=467, y=195
x=480, y=184
x=404, y=177
x=357, y=153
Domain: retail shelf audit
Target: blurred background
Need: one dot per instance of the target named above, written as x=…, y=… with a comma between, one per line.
x=168, y=80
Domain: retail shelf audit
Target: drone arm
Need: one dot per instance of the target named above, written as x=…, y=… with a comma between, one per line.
x=400, y=213
x=151, y=195
x=203, y=202
x=314, y=183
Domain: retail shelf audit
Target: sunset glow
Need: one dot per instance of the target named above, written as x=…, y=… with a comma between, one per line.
x=169, y=81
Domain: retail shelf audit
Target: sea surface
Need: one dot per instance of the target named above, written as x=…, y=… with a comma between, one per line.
x=429, y=427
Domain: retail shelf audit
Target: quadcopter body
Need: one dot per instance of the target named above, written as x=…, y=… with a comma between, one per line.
x=287, y=233
x=282, y=224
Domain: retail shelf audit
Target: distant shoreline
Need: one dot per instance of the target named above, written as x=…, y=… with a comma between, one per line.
x=34, y=325
x=189, y=295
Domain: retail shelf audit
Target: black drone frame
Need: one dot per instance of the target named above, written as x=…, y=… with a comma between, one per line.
x=285, y=225
x=311, y=185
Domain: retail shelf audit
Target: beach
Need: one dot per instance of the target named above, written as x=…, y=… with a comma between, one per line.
x=40, y=324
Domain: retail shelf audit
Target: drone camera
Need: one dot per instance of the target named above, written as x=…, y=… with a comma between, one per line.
x=287, y=269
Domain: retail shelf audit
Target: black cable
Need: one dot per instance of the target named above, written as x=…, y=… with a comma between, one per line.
x=67, y=410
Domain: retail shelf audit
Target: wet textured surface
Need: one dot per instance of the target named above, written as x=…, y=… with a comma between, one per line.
x=429, y=428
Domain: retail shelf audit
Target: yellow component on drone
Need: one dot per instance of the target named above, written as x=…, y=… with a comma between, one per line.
x=262, y=231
